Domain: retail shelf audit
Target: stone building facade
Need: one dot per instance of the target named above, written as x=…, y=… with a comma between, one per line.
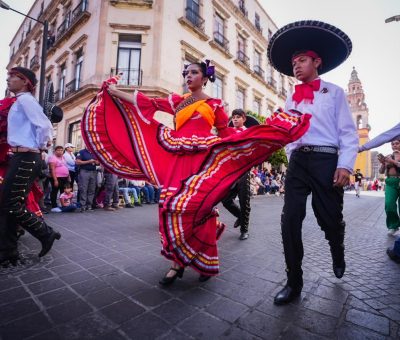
x=149, y=41
x=359, y=109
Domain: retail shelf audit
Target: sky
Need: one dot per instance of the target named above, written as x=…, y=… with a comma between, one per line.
x=375, y=55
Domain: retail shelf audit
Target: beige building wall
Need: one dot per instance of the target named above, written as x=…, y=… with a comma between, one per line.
x=169, y=36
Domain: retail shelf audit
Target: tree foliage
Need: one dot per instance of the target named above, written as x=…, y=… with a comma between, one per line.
x=278, y=158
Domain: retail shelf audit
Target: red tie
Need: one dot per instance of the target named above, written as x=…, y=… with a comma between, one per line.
x=305, y=92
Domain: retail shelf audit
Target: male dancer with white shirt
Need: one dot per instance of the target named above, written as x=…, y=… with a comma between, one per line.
x=322, y=160
x=29, y=131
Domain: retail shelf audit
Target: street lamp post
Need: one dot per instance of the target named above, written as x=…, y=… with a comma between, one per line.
x=44, y=49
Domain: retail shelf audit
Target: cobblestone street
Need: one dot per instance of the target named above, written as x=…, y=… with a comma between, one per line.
x=100, y=281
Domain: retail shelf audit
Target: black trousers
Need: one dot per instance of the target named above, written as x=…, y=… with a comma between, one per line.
x=242, y=212
x=24, y=168
x=311, y=173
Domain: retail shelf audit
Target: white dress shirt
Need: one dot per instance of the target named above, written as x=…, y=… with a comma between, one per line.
x=331, y=124
x=28, y=126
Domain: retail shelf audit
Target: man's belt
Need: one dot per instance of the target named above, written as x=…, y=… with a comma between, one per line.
x=18, y=149
x=318, y=148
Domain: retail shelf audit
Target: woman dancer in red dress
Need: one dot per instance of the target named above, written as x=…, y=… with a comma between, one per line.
x=195, y=167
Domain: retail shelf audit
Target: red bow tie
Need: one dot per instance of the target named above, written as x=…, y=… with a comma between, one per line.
x=305, y=92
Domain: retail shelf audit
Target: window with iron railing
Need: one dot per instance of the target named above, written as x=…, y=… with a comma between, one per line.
x=194, y=18
x=129, y=59
x=259, y=71
x=257, y=23
x=221, y=40
x=34, y=62
x=218, y=87
x=242, y=7
x=219, y=35
x=78, y=68
x=240, y=98
x=71, y=17
x=242, y=57
x=61, y=83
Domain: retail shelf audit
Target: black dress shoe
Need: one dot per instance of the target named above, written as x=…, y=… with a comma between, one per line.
x=11, y=256
x=392, y=255
x=339, y=269
x=243, y=236
x=204, y=278
x=48, y=243
x=166, y=281
x=286, y=295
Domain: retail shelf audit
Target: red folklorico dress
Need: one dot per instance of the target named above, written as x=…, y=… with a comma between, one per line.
x=194, y=167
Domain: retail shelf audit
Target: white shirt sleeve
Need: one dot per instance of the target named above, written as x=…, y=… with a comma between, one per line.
x=383, y=138
x=34, y=113
x=347, y=133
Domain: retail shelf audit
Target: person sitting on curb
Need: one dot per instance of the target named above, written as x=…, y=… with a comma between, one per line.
x=66, y=199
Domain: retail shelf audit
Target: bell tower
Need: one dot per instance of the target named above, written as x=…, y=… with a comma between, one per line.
x=359, y=110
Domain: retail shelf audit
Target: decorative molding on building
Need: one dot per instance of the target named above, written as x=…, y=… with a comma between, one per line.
x=145, y=4
x=221, y=9
x=78, y=43
x=241, y=83
x=63, y=57
x=197, y=31
x=130, y=27
x=192, y=50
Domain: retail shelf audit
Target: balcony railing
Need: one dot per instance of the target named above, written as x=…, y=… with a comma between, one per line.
x=71, y=87
x=258, y=27
x=242, y=57
x=79, y=12
x=259, y=71
x=243, y=9
x=271, y=82
x=194, y=18
x=34, y=63
x=129, y=76
x=220, y=39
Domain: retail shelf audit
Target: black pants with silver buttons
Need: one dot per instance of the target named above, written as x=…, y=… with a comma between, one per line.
x=311, y=173
x=24, y=168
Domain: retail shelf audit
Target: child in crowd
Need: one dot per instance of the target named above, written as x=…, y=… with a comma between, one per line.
x=66, y=199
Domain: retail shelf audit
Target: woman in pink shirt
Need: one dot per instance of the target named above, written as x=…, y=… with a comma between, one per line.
x=59, y=174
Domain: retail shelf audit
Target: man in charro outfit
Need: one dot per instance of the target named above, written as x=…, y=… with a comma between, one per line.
x=28, y=132
x=241, y=187
x=322, y=160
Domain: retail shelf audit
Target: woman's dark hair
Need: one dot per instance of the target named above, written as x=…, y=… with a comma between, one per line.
x=67, y=185
x=58, y=147
x=207, y=70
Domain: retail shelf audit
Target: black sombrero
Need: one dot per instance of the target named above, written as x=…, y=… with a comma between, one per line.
x=329, y=42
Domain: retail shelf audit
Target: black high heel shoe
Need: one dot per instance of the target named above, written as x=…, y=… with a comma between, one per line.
x=204, y=278
x=165, y=281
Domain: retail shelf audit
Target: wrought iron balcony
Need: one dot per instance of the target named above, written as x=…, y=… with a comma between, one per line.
x=220, y=39
x=77, y=14
x=243, y=9
x=271, y=82
x=72, y=87
x=34, y=63
x=258, y=27
x=129, y=76
x=259, y=71
x=243, y=58
x=194, y=18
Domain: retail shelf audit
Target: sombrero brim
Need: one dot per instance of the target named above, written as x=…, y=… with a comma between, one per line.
x=329, y=42
x=250, y=121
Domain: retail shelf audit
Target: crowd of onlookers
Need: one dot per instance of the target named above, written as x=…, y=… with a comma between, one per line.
x=75, y=181
x=267, y=182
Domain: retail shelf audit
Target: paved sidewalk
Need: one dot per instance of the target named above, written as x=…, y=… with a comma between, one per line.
x=100, y=282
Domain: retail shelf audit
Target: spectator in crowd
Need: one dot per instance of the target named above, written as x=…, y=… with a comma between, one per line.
x=86, y=179
x=111, y=191
x=127, y=189
x=140, y=186
x=154, y=192
x=253, y=184
x=70, y=159
x=59, y=174
x=391, y=165
x=66, y=199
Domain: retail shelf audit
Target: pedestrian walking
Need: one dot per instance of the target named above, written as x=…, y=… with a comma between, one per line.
x=322, y=160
